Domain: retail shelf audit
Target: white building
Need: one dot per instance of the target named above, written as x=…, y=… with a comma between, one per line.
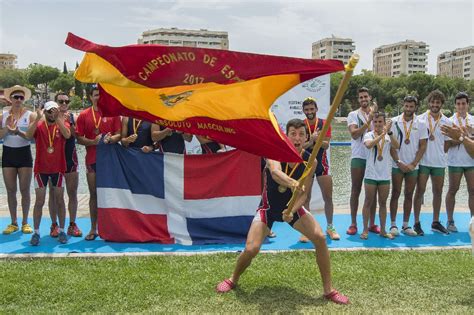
x=333, y=48
x=406, y=57
x=457, y=63
x=188, y=38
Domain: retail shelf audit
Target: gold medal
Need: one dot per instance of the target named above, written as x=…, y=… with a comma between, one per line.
x=50, y=150
x=96, y=131
x=282, y=189
x=380, y=158
x=432, y=137
x=407, y=141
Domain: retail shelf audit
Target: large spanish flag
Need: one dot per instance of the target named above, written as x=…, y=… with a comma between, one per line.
x=224, y=95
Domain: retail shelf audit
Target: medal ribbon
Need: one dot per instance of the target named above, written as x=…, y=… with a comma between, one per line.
x=407, y=132
x=51, y=136
x=380, y=147
x=366, y=119
x=135, y=128
x=309, y=126
x=15, y=121
x=96, y=124
x=460, y=120
x=296, y=166
x=432, y=129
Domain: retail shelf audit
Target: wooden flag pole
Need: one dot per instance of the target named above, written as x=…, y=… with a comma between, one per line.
x=349, y=69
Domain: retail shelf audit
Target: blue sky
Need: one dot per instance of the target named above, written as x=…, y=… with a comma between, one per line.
x=36, y=30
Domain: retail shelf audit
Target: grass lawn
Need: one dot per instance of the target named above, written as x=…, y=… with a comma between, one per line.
x=396, y=281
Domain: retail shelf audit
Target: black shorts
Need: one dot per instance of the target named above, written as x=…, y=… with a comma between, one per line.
x=17, y=157
x=269, y=216
x=322, y=169
x=41, y=180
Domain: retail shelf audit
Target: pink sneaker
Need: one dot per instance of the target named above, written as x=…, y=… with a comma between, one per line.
x=352, y=230
x=54, y=230
x=225, y=286
x=337, y=297
x=374, y=229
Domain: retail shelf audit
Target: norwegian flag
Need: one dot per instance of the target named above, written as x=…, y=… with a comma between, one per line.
x=170, y=198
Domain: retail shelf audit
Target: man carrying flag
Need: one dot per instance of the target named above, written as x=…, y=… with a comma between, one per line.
x=280, y=180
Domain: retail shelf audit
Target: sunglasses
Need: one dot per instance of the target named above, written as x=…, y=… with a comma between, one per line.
x=18, y=97
x=50, y=111
x=63, y=101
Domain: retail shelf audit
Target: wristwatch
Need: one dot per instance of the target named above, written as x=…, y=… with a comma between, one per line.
x=390, y=133
x=461, y=138
x=398, y=161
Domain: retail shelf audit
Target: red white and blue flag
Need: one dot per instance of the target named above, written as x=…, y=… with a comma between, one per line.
x=169, y=198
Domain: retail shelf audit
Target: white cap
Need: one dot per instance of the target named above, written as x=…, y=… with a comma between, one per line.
x=50, y=105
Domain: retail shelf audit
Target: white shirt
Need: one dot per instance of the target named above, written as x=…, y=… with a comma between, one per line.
x=357, y=146
x=375, y=169
x=419, y=131
x=434, y=155
x=15, y=141
x=458, y=156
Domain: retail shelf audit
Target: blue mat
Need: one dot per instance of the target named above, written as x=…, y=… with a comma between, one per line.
x=287, y=239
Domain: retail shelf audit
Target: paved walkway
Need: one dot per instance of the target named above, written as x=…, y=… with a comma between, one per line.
x=17, y=244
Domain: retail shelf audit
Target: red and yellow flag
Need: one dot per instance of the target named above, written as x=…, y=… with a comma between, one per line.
x=224, y=95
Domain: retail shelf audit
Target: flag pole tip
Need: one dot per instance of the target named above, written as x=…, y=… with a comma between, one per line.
x=352, y=62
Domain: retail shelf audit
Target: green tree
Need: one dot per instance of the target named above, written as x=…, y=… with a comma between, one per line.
x=391, y=91
x=76, y=102
x=63, y=83
x=78, y=86
x=11, y=77
x=345, y=108
x=40, y=74
x=335, y=79
x=389, y=110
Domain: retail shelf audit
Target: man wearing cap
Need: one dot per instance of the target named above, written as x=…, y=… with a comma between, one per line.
x=90, y=127
x=50, y=135
x=17, y=162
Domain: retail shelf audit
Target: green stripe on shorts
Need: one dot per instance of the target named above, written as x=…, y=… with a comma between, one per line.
x=435, y=171
x=460, y=169
x=396, y=170
x=376, y=182
x=357, y=163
